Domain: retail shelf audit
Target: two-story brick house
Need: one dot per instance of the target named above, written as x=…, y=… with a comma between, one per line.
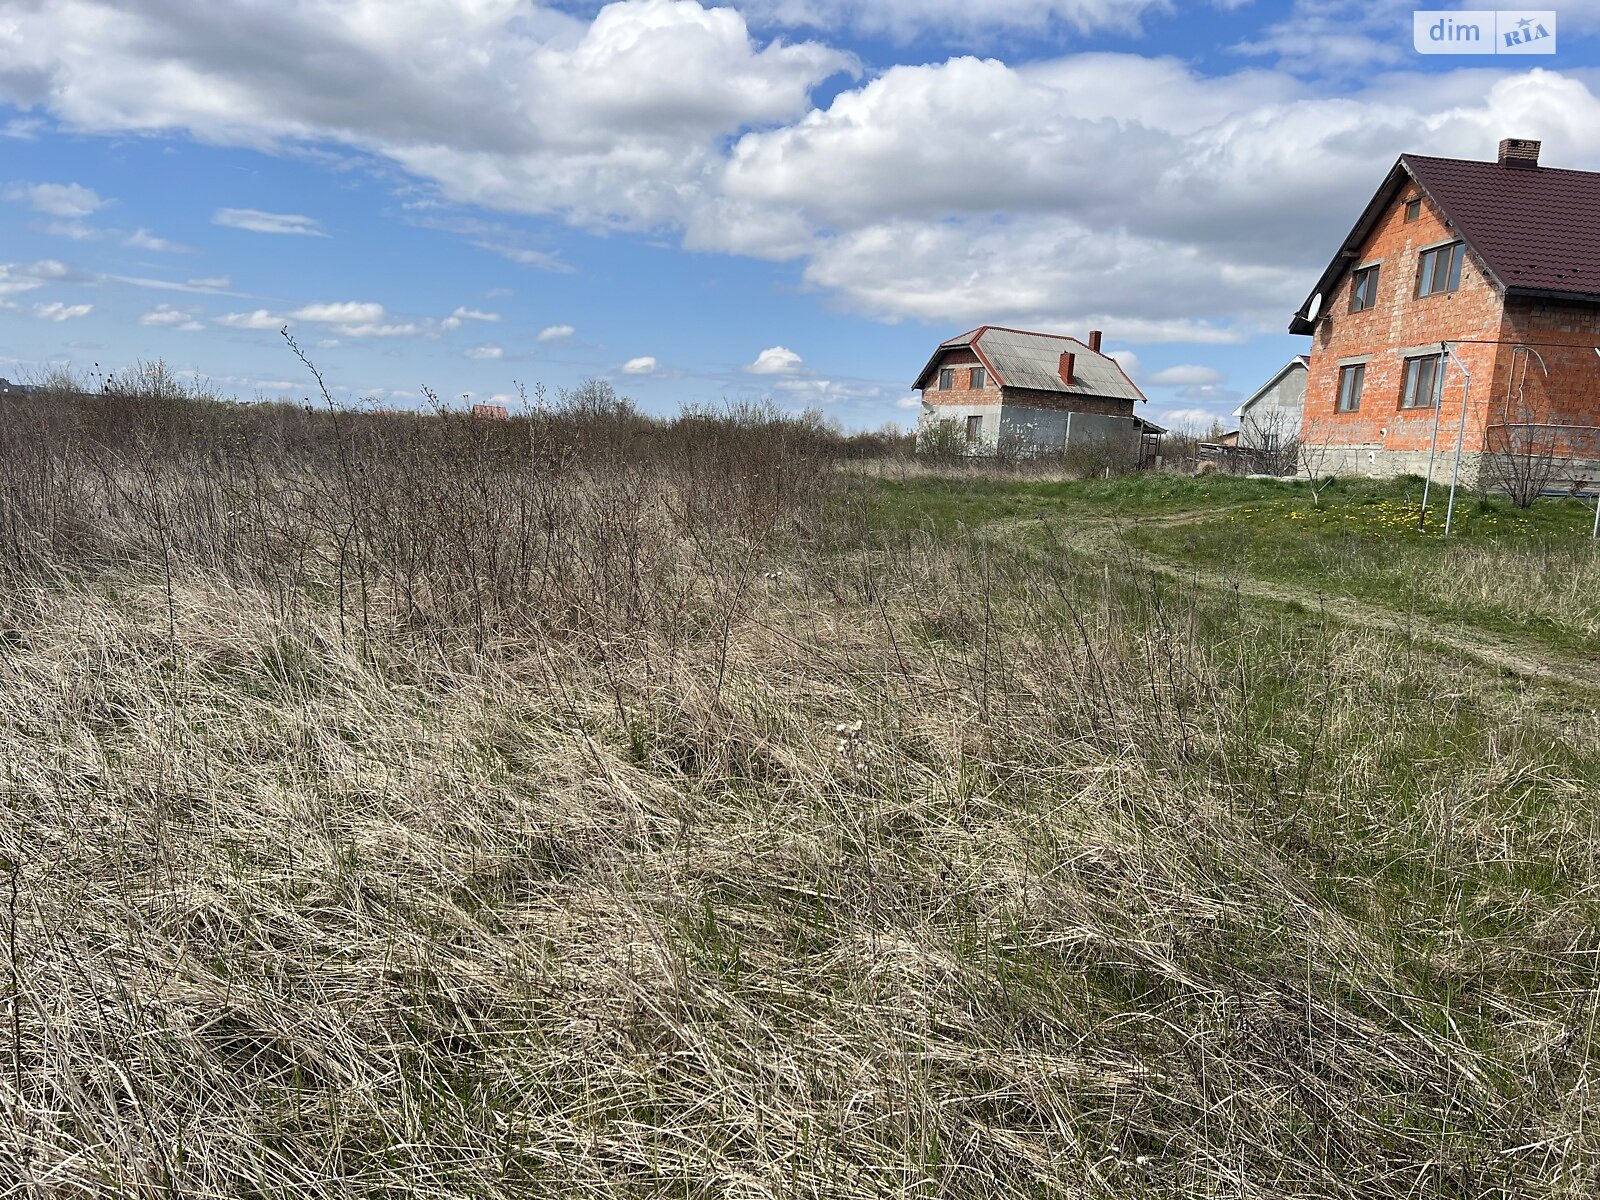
x=1501, y=260
x=994, y=388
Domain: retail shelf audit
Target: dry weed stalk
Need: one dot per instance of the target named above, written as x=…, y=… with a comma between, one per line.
x=568, y=869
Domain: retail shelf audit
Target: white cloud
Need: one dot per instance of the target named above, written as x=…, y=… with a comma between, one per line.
x=259, y=319
x=644, y=365
x=17, y=278
x=1191, y=418
x=775, y=360
x=613, y=120
x=143, y=239
x=1129, y=193
x=257, y=221
x=215, y=283
x=359, y=318
x=1186, y=375
x=347, y=312
x=24, y=129
x=543, y=260
x=485, y=351
x=1129, y=362
x=69, y=200
x=76, y=230
x=474, y=314
x=57, y=311
x=166, y=317
x=556, y=333
x=908, y=19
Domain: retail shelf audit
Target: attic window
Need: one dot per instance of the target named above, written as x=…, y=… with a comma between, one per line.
x=979, y=378
x=1413, y=209
x=947, y=378
x=1439, y=269
x=1364, y=289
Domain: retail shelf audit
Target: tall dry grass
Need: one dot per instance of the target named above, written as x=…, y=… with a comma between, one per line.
x=586, y=807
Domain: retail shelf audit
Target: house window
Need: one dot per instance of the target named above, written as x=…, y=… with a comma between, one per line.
x=947, y=378
x=974, y=429
x=978, y=378
x=1364, y=289
x=1424, y=377
x=1351, y=381
x=1439, y=269
x=1413, y=209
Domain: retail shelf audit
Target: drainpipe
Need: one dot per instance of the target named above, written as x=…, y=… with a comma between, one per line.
x=1461, y=432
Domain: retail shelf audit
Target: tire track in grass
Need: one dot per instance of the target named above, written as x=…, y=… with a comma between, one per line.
x=1103, y=538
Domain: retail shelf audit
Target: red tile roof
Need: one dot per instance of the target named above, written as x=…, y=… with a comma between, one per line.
x=1535, y=228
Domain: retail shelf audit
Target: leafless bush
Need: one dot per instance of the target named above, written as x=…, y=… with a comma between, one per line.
x=1519, y=460
x=1269, y=444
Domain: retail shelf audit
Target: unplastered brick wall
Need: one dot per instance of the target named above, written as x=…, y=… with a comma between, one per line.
x=1380, y=336
x=961, y=361
x=1555, y=380
x=1069, y=402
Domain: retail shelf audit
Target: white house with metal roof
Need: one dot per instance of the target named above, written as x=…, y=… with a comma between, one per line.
x=997, y=390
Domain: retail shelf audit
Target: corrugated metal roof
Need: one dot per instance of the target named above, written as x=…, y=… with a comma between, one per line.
x=1022, y=359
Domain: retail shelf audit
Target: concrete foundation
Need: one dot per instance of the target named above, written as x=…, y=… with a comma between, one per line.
x=1374, y=462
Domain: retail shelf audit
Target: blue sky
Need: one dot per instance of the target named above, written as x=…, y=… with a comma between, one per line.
x=784, y=198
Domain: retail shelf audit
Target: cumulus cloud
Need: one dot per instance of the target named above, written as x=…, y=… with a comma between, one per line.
x=71, y=200
x=1129, y=193
x=1186, y=375
x=485, y=351
x=474, y=314
x=1189, y=418
x=556, y=333
x=348, y=318
x=257, y=221
x=643, y=365
x=17, y=279
x=359, y=318
x=609, y=120
x=348, y=312
x=167, y=317
x=76, y=230
x=775, y=360
x=57, y=311
x=259, y=319
x=906, y=19
x=143, y=239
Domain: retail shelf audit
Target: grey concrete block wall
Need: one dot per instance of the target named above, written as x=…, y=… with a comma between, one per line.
x=1374, y=462
x=1277, y=411
x=956, y=415
x=1039, y=430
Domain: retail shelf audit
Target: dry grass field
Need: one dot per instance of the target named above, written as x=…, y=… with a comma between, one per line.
x=580, y=805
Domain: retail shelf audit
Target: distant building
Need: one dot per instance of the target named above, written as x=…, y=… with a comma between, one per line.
x=995, y=390
x=1501, y=262
x=1271, y=417
x=490, y=412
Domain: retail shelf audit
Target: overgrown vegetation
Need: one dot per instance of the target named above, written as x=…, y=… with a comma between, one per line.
x=586, y=805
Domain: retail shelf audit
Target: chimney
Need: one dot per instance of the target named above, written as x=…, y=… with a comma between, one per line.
x=1094, y=340
x=1519, y=152
x=1066, y=368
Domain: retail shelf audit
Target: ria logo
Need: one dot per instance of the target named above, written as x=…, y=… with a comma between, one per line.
x=1484, y=31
